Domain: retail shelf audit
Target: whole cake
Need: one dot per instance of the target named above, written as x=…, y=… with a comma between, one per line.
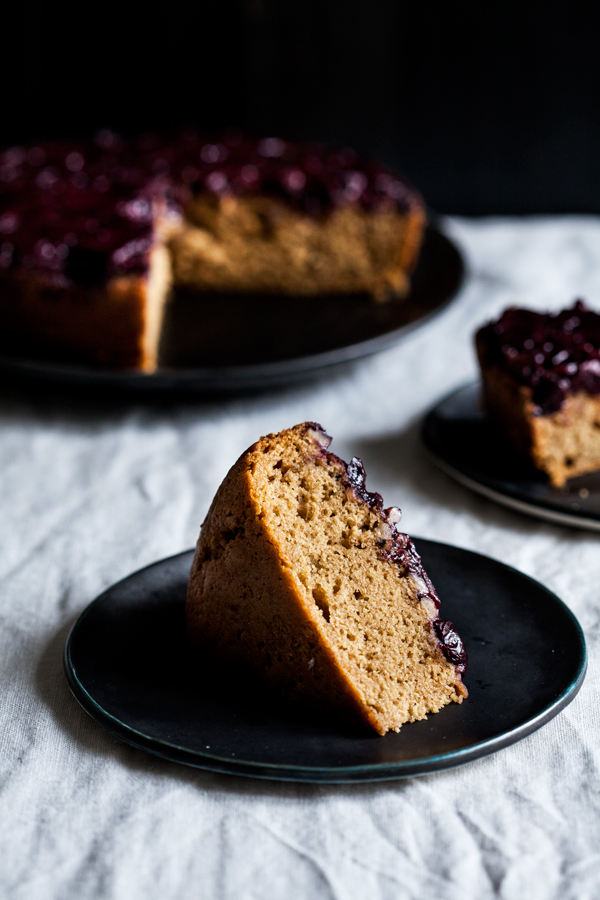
x=541, y=385
x=94, y=234
x=303, y=577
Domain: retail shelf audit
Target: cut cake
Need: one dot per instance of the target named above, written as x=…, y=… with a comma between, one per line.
x=93, y=234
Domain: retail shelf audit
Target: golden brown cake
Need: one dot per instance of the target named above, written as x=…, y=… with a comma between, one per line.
x=541, y=386
x=302, y=577
x=93, y=234
x=264, y=245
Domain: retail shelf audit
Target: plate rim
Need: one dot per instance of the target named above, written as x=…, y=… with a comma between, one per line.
x=322, y=774
x=545, y=510
x=251, y=375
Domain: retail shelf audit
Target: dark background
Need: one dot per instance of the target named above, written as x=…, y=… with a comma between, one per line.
x=486, y=111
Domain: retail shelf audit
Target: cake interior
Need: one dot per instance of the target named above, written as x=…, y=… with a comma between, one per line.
x=366, y=610
x=563, y=444
x=566, y=443
x=261, y=244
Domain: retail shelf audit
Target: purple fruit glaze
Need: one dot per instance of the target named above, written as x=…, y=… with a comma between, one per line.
x=553, y=354
x=453, y=647
x=399, y=549
x=356, y=477
x=84, y=211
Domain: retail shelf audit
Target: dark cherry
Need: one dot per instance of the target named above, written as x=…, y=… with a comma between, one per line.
x=554, y=354
x=357, y=478
x=87, y=266
x=451, y=643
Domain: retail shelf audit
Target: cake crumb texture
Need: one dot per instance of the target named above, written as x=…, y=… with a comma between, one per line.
x=261, y=244
x=563, y=444
x=541, y=386
x=291, y=579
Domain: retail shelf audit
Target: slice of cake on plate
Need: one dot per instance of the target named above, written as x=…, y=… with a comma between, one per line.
x=94, y=233
x=541, y=386
x=303, y=577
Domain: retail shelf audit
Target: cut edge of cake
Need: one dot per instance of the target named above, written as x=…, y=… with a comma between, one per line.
x=562, y=441
x=158, y=289
x=301, y=576
x=563, y=444
x=253, y=244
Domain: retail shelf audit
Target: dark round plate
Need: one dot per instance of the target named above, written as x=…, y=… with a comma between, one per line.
x=462, y=442
x=228, y=343
x=128, y=664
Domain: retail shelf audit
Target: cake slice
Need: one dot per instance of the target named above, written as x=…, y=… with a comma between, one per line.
x=541, y=386
x=302, y=577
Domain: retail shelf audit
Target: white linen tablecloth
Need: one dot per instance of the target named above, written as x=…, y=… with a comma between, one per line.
x=91, y=490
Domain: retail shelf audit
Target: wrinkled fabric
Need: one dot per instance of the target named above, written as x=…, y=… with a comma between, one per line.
x=93, y=488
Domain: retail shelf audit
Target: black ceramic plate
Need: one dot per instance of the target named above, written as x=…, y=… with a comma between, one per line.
x=249, y=342
x=462, y=443
x=128, y=664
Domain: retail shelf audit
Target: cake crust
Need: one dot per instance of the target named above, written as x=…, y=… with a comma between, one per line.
x=302, y=580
